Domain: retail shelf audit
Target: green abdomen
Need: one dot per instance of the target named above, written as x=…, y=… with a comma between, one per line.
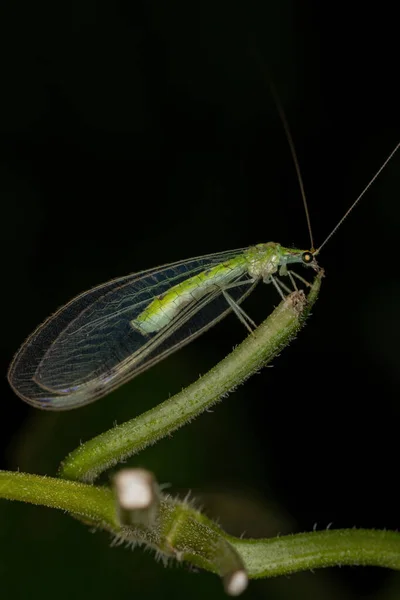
x=164, y=308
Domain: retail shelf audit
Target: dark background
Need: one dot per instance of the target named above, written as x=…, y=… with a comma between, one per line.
x=138, y=133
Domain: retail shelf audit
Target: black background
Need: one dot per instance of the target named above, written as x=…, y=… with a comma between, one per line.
x=138, y=133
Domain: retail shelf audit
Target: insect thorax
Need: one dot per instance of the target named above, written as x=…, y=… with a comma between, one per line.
x=264, y=260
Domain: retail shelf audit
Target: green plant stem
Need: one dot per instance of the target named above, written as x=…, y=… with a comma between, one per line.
x=187, y=534
x=95, y=456
x=287, y=554
x=94, y=504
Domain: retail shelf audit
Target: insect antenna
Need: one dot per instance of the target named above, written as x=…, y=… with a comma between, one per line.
x=357, y=200
x=288, y=134
x=294, y=157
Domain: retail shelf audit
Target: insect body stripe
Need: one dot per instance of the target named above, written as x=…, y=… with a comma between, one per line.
x=163, y=309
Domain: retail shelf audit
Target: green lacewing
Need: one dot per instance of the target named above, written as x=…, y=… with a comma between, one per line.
x=109, y=334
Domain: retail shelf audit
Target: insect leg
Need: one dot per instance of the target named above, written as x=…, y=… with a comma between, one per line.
x=292, y=281
x=239, y=312
x=278, y=286
x=291, y=273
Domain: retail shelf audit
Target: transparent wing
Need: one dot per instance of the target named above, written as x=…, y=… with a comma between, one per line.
x=89, y=347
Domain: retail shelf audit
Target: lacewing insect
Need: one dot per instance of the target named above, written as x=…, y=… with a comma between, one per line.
x=108, y=335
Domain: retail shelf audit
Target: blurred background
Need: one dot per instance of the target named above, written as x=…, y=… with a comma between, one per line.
x=134, y=134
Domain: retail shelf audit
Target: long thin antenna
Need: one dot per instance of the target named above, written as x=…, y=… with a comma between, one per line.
x=357, y=200
x=286, y=128
x=294, y=157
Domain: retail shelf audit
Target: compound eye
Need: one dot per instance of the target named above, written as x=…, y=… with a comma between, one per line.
x=307, y=257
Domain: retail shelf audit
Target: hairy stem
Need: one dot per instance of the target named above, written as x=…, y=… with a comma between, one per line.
x=287, y=554
x=186, y=534
x=92, y=504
